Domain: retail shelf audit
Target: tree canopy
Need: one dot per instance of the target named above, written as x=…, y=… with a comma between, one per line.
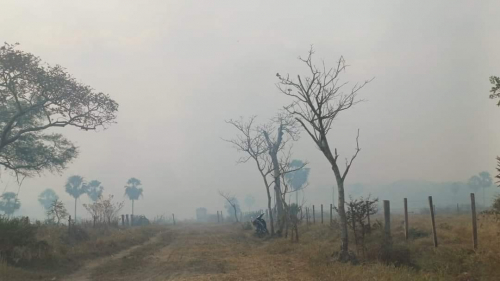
x=35, y=97
x=298, y=178
x=47, y=197
x=75, y=186
x=94, y=190
x=132, y=189
x=9, y=203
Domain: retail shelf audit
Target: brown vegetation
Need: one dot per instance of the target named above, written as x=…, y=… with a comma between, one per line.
x=228, y=252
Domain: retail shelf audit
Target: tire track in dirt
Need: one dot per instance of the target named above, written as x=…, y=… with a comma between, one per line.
x=84, y=273
x=201, y=252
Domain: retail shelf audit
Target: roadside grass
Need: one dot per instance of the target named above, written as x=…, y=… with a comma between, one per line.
x=66, y=253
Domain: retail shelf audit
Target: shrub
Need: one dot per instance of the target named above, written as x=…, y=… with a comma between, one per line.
x=17, y=236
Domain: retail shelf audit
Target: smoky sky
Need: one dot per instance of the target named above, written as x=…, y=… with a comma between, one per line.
x=178, y=69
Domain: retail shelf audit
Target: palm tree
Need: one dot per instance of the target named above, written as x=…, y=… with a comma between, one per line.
x=47, y=197
x=75, y=186
x=94, y=190
x=133, y=191
x=9, y=203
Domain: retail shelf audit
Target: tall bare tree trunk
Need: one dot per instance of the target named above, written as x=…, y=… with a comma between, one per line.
x=132, y=207
x=269, y=206
x=344, y=237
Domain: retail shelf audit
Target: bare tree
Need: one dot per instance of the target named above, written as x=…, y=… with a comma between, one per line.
x=231, y=200
x=251, y=142
x=318, y=99
x=277, y=134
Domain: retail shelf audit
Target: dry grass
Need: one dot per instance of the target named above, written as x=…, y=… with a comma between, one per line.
x=227, y=252
x=68, y=254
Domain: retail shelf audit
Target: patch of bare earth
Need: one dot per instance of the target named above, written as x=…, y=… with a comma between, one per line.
x=201, y=252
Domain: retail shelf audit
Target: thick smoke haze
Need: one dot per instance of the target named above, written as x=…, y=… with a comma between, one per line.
x=178, y=69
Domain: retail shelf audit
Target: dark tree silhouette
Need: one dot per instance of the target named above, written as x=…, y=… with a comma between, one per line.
x=35, y=99
x=75, y=186
x=47, y=197
x=9, y=203
x=133, y=191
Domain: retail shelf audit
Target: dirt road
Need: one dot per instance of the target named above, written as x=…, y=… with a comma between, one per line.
x=195, y=252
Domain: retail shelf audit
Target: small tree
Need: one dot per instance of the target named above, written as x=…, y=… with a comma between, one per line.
x=75, y=186
x=9, y=203
x=317, y=102
x=57, y=211
x=231, y=203
x=133, y=191
x=358, y=211
x=94, y=190
x=47, y=197
x=104, y=210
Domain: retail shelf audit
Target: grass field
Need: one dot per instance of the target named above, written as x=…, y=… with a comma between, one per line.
x=227, y=252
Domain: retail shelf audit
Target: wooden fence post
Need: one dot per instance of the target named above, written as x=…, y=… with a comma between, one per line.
x=173, y=218
x=132, y=219
x=301, y=217
x=331, y=214
x=434, y=235
x=368, y=216
x=307, y=215
x=314, y=216
x=128, y=223
x=406, y=218
x=387, y=220
x=123, y=220
x=474, y=221
x=321, y=213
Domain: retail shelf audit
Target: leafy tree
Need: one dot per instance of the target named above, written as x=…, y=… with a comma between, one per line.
x=249, y=201
x=75, y=186
x=133, y=191
x=297, y=179
x=94, y=190
x=495, y=89
x=57, y=211
x=35, y=99
x=318, y=99
x=9, y=203
x=47, y=197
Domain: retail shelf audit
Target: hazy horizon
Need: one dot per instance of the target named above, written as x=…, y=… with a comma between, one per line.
x=178, y=69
